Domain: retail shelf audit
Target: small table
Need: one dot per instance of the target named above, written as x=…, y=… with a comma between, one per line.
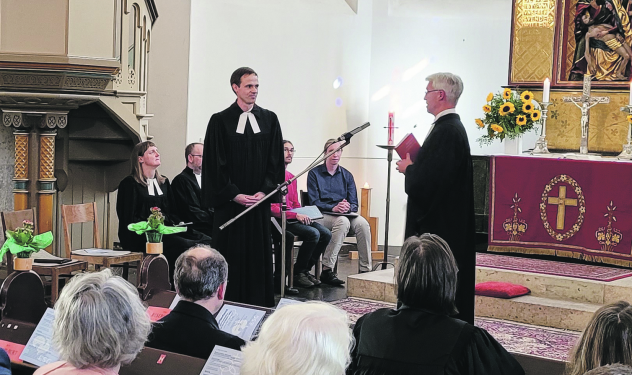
x=56, y=270
x=107, y=261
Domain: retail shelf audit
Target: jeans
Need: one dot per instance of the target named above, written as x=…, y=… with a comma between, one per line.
x=315, y=238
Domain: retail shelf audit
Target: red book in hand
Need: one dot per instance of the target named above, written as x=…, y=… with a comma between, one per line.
x=408, y=145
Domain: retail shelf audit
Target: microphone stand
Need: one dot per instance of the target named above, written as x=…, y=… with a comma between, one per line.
x=282, y=189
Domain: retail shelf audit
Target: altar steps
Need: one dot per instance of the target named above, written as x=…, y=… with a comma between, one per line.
x=554, y=301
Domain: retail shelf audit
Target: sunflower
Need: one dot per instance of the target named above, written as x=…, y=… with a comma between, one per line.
x=521, y=120
x=506, y=109
x=497, y=128
x=506, y=93
x=535, y=115
x=479, y=122
x=490, y=96
x=629, y=119
x=487, y=108
x=527, y=107
x=526, y=96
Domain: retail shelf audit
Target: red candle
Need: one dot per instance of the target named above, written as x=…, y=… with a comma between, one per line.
x=391, y=128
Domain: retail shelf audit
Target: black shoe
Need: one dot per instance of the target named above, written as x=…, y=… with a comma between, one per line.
x=328, y=277
x=302, y=280
x=291, y=291
x=313, y=279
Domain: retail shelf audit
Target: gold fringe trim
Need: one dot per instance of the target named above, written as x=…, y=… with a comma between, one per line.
x=561, y=253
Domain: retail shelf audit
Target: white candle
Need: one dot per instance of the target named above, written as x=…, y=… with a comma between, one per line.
x=630, y=92
x=366, y=185
x=547, y=91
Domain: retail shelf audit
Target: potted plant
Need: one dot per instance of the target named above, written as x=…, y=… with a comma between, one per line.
x=22, y=243
x=508, y=115
x=154, y=228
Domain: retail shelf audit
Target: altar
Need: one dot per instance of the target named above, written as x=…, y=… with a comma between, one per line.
x=569, y=208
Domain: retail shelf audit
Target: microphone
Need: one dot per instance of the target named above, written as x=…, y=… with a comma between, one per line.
x=347, y=136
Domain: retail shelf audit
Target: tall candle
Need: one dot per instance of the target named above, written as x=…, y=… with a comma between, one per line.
x=547, y=91
x=391, y=128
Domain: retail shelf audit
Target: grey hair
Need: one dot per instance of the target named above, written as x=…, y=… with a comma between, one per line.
x=450, y=83
x=311, y=338
x=614, y=369
x=199, y=278
x=99, y=321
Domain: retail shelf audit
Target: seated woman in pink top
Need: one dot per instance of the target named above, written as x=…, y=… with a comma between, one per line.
x=100, y=323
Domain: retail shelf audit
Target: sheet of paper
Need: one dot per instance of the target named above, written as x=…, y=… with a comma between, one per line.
x=312, y=211
x=239, y=321
x=13, y=350
x=174, y=302
x=223, y=361
x=100, y=252
x=39, y=350
x=286, y=301
x=157, y=313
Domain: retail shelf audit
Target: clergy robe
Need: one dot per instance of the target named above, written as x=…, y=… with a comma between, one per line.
x=440, y=192
x=245, y=163
x=133, y=204
x=410, y=341
x=187, y=197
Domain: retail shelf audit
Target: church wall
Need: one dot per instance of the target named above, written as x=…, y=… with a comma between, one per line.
x=168, y=83
x=37, y=34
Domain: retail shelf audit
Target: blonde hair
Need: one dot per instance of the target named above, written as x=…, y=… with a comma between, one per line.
x=450, y=83
x=606, y=340
x=311, y=338
x=137, y=170
x=99, y=321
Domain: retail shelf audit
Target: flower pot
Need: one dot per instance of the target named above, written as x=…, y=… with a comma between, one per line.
x=23, y=264
x=153, y=248
x=153, y=237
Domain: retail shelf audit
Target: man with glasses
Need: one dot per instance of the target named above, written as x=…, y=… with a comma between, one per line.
x=187, y=193
x=315, y=237
x=439, y=185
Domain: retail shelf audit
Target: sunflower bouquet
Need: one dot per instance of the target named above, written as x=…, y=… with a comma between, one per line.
x=508, y=115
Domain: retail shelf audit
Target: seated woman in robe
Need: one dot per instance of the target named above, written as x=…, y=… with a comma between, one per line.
x=420, y=337
x=606, y=340
x=100, y=324
x=311, y=338
x=143, y=189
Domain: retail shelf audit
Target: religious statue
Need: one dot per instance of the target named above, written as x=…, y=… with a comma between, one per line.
x=585, y=107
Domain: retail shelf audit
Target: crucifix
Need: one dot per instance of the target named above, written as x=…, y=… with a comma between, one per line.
x=585, y=103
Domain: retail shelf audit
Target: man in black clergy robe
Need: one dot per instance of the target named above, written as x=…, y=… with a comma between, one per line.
x=187, y=194
x=243, y=161
x=440, y=188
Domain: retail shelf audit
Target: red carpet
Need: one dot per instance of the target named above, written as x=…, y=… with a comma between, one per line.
x=548, y=267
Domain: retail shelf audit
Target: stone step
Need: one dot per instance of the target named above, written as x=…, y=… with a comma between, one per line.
x=538, y=311
x=561, y=287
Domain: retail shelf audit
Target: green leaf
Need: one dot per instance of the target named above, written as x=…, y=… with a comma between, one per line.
x=42, y=241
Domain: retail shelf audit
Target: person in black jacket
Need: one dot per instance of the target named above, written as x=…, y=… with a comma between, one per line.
x=200, y=278
x=187, y=192
x=420, y=337
x=440, y=185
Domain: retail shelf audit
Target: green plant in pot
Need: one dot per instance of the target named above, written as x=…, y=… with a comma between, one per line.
x=21, y=242
x=154, y=228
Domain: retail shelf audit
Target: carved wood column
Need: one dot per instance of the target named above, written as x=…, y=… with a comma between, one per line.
x=21, y=170
x=46, y=181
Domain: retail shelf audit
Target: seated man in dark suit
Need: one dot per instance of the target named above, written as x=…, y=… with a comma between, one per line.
x=187, y=193
x=200, y=279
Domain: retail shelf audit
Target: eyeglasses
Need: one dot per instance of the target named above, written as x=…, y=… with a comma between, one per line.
x=290, y=150
x=427, y=92
x=197, y=155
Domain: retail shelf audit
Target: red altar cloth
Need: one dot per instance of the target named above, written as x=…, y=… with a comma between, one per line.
x=572, y=208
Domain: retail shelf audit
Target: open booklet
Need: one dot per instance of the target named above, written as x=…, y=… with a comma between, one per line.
x=349, y=214
x=222, y=361
x=39, y=349
x=240, y=321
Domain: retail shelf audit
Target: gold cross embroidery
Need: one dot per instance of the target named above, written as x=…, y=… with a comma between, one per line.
x=561, y=201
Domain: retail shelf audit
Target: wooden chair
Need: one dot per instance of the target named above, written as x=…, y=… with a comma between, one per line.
x=86, y=213
x=14, y=219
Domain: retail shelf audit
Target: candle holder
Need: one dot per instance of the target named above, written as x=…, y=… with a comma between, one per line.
x=541, y=145
x=626, y=154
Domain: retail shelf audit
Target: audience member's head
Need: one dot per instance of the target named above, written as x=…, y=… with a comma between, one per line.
x=616, y=369
x=193, y=155
x=312, y=338
x=144, y=157
x=426, y=274
x=99, y=321
x=200, y=276
x=606, y=340
x=449, y=83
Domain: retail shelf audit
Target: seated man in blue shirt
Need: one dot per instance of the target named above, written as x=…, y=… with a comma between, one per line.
x=332, y=189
